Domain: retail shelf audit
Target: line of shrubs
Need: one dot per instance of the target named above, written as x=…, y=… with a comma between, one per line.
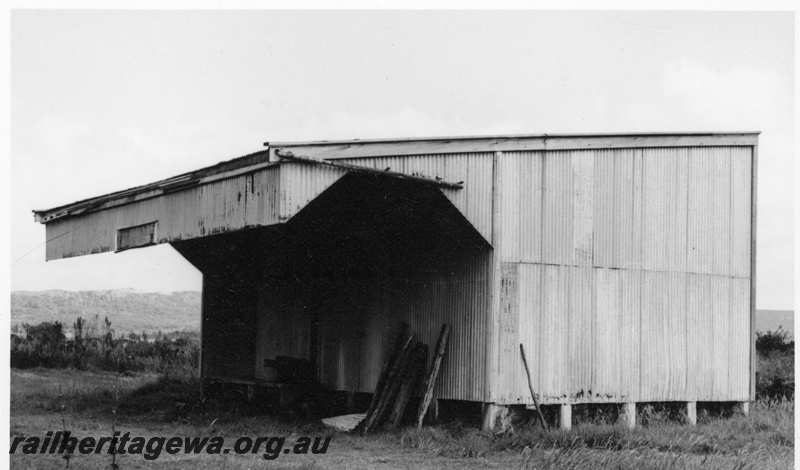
x=775, y=371
x=93, y=345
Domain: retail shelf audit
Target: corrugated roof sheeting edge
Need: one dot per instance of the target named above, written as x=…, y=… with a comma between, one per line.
x=334, y=149
x=224, y=170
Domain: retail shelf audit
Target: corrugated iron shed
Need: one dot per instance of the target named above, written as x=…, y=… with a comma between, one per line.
x=623, y=262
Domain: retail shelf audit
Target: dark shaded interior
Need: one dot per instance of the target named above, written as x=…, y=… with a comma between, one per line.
x=362, y=232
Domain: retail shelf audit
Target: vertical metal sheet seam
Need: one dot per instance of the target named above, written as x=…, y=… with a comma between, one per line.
x=540, y=331
x=641, y=272
x=753, y=233
x=686, y=258
x=731, y=228
x=490, y=376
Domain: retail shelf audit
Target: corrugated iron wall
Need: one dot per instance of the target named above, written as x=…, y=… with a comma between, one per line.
x=461, y=297
x=629, y=272
x=625, y=272
x=357, y=340
x=357, y=326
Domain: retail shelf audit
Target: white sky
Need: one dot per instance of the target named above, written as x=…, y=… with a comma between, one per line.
x=106, y=100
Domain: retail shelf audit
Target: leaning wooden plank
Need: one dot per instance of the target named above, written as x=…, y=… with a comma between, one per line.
x=530, y=387
x=373, y=418
x=414, y=373
x=393, y=383
x=403, y=338
x=430, y=380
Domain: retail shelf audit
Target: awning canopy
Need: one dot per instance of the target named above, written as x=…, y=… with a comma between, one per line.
x=240, y=194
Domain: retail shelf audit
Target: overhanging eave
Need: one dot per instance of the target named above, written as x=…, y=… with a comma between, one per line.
x=258, y=195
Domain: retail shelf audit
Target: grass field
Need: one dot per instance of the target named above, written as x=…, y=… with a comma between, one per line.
x=95, y=403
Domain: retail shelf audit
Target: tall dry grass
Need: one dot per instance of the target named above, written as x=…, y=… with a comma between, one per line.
x=765, y=439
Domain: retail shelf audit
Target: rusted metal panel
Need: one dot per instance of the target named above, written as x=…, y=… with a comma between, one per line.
x=530, y=334
x=223, y=170
x=273, y=194
x=581, y=327
x=225, y=205
x=508, y=365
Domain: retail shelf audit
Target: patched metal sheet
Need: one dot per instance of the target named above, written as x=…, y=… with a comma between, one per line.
x=670, y=237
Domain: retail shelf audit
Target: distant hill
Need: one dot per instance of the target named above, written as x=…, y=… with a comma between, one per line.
x=770, y=320
x=128, y=310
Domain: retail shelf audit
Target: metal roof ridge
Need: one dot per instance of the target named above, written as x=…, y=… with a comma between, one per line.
x=555, y=135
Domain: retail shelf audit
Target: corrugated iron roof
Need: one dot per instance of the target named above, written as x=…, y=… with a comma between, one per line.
x=226, y=169
x=317, y=152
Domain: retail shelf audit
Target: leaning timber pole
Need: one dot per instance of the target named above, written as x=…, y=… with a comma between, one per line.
x=530, y=387
x=430, y=381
